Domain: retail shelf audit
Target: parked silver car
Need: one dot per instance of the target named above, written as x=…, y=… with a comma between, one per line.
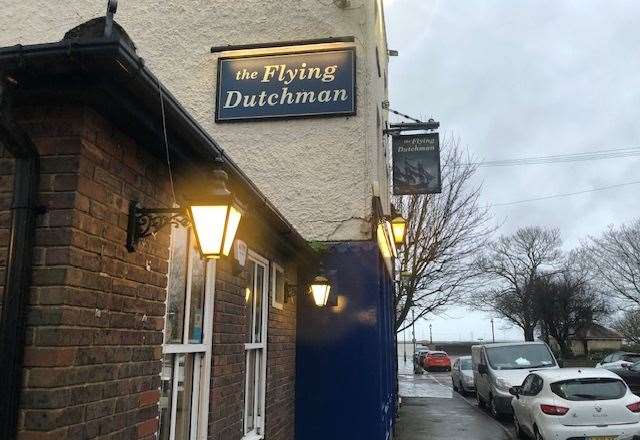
x=462, y=375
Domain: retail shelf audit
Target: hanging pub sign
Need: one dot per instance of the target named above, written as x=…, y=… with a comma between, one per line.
x=416, y=164
x=287, y=86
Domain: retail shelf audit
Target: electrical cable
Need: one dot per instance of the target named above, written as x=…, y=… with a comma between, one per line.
x=166, y=142
x=554, y=196
x=563, y=158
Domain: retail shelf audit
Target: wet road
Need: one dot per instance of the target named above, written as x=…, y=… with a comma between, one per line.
x=431, y=409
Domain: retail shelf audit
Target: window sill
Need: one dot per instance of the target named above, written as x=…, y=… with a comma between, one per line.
x=252, y=436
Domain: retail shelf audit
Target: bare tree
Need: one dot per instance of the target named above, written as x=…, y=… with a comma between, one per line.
x=566, y=301
x=511, y=266
x=628, y=325
x=446, y=231
x=616, y=259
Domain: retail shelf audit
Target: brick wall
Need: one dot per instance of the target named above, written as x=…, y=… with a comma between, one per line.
x=6, y=196
x=281, y=370
x=228, y=363
x=96, y=312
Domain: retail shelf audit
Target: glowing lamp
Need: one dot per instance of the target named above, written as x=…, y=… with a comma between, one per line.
x=320, y=288
x=215, y=218
x=399, y=227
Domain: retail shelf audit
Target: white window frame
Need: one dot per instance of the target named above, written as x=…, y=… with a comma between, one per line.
x=275, y=268
x=258, y=431
x=202, y=356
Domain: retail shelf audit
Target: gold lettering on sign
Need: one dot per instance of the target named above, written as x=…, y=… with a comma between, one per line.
x=286, y=75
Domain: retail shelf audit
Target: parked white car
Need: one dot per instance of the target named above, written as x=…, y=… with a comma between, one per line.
x=620, y=359
x=571, y=403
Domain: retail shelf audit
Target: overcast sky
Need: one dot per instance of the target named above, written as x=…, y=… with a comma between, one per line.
x=515, y=79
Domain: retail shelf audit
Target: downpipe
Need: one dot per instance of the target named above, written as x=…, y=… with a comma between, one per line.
x=19, y=258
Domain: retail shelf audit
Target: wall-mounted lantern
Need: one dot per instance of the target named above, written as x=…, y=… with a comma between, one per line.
x=399, y=228
x=214, y=217
x=320, y=288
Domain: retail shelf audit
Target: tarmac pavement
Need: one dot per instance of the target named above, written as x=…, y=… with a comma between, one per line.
x=430, y=409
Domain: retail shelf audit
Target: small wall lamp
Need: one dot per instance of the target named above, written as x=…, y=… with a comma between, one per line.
x=399, y=228
x=214, y=217
x=319, y=287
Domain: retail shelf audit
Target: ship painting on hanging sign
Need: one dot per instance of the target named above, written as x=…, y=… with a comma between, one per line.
x=416, y=164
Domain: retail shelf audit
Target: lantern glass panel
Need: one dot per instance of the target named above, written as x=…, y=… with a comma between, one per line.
x=392, y=242
x=383, y=243
x=209, y=224
x=232, y=228
x=320, y=293
x=399, y=226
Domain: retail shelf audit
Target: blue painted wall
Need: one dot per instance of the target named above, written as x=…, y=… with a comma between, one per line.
x=345, y=364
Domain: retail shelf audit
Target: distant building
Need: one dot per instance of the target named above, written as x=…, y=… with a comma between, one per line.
x=595, y=337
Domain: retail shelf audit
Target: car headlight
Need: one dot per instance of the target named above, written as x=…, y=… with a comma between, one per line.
x=502, y=384
x=468, y=379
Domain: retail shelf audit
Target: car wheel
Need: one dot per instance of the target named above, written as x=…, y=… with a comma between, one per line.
x=455, y=387
x=481, y=403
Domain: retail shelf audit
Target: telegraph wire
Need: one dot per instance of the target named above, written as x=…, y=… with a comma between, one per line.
x=563, y=158
x=613, y=153
x=554, y=196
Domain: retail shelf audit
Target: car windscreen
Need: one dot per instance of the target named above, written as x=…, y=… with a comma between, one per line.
x=465, y=364
x=517, y=357
x=437, y=355
x=590, y=389
x=631, y=358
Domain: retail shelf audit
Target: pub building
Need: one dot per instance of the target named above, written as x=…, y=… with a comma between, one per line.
x=195, y=221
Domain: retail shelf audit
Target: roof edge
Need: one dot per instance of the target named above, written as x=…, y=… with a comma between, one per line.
x=16, y=58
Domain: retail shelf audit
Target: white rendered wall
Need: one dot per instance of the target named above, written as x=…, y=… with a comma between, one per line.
x=320, y=172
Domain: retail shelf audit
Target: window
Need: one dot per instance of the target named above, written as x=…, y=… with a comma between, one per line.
x=590, y=389
x=532, y=385
x=255, y=346
x=277, y=286
x=526, y=385
x=514, y=357
x=537, y=385
x=186, y=361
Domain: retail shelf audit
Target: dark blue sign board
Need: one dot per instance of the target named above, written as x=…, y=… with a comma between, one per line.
x=416, y=164
x=286, y=86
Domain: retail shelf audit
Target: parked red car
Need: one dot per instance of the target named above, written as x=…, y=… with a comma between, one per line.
x=436, y=360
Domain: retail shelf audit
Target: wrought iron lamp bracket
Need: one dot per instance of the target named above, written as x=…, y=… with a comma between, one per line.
x=146, y=222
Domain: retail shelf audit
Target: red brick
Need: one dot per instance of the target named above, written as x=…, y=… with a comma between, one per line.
x=48, y=357
x=149, y=398
x=148, y=427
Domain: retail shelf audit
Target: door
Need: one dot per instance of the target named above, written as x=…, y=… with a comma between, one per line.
x=519, y=403
x=527, y=400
